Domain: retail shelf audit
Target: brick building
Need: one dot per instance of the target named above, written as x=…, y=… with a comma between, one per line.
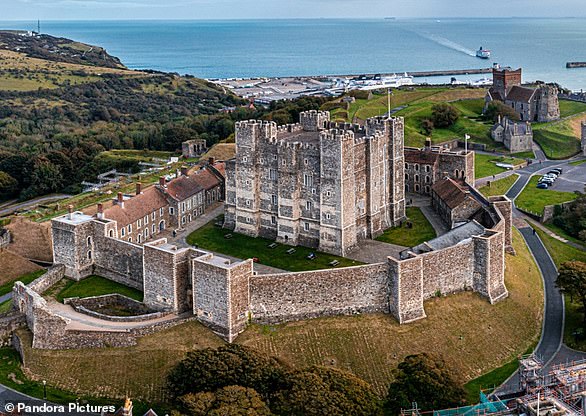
x=316, y=183
x=453, y=202
x=424, y=167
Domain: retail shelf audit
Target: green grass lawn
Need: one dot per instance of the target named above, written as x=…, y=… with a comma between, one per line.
x=485, y=165
x=421, y=232
x=562, y=233
x=557, y=140
x=499, y=187
x=578, y=162
x=211, y=237
x=524, y=155
x=96, y=286
x=534, y=200
x=26, y=279
x=570, y=108
x=5, y=306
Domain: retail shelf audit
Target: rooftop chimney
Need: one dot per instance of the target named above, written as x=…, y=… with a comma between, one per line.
x=100, y=211
x=70, y=210
x=121, y=199
x=162, y=181
x=184, y=170
x=138, y=188
x=428, y=144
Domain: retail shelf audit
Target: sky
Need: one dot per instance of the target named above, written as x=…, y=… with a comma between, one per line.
x=255, y=9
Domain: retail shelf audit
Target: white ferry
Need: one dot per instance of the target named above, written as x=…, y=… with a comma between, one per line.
x=483, y=53
x=394, y=81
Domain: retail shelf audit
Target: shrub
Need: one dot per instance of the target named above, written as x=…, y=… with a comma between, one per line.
x=444, y=115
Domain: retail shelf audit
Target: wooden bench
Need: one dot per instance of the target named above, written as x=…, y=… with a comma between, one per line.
x=334, y=263
x=290, y=251
x=228, y=236
x=272, y=245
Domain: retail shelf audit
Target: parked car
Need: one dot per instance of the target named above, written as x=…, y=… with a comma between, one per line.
x=542, y=185
x=553, y=173
x=558, y=170
x=548, y=181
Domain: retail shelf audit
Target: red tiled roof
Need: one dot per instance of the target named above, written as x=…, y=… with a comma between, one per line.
x=522, y=94
x=420, y=156
x=451, y=192
x=136, y=207
x=184, y=187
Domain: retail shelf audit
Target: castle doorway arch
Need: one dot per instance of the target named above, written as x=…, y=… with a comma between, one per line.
x=161, y=225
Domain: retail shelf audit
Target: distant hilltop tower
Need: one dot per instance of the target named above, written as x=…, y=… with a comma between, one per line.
x=584, y=138
x=39, y=27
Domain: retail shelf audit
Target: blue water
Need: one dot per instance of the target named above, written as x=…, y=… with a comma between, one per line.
x=211, y=49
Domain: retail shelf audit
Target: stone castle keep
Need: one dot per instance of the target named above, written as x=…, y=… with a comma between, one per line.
x=318, y=184
x=355, y=178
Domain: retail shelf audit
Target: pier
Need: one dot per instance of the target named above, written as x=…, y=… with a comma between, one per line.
x=576, y=65
x=418, y=74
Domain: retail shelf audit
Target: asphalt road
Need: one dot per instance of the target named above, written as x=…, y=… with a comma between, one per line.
x=7, y=210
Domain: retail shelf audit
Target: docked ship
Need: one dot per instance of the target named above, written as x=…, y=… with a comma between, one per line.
x=483, y=53
x=380, y=82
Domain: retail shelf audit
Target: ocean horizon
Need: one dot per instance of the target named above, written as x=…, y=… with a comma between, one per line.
x=297, y=47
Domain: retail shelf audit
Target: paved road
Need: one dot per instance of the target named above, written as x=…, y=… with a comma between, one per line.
x=27, y=204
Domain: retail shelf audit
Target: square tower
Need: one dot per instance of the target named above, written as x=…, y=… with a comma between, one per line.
x=503, y=79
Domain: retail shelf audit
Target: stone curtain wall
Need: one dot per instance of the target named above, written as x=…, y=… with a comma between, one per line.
x=119, y=261
x=53, y=275
x=296, y=296
x=4, y=238
x=448, y=271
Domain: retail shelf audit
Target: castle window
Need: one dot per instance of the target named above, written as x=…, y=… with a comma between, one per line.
x=161, y=225
x=272, y=174
x=427, y=189
x=328, y=194
x=161, y=211
x=273, y=219
x=171, y=211
x=129, y=228
x=146, y=233
x=406, y=188
x=416, y=188
x=427, y=179
x=138, y=223
x=417, y=167
x=416, y=178
x=305, y=161
x=428, y=168
x=130, y=240
x=308, y=180
x=183, y=220
x=306, y=226
x=154, y=215
x=89, y=255
x=248, y=220
x=262, y=160
x=183, y=207
x=406, y=165
x=123, y=232
x=189, y=218
x=313, y=191
x=245, y=159
x=284, y=162
x=154, y=228
x=189, y=204
x=111, y=233
x=328, y=216
x=247, y=182
x=406, y=176
x=274, y=199
x=89, y=241
x=456, y=173
x=308, y=205
x=139, y=238
x=247, y=203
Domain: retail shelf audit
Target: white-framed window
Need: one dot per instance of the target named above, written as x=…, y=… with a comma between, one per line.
x=111, y=233
x=427, y=179
x=274, y=199
x=417, y=167
x=248, y=220
x=89, y=255
x=123, y=232
x=328, y=194
x=146, y=219
x=308, y=205
x=171, y=211
x=139, y=238
x=427, y=168
x=154, y=215
x=273, y=219
x=247, y=202
x=146, y=233
x=305, y=162
x=130, y=239
x=272, y=174
x=262, y=160
x=274, y=157
x=138, y=223
x=183, y=207
x=161, y=212
x=307, y=180
x=89, y=241
x=328, y=216
x=306, y=226
x=129, y=228
x=154, y=229
x=245, y=159
x=416, y=178
x=313, y=191
x=189, y=204
x=183, y=220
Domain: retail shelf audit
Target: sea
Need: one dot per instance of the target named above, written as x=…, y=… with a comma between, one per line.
x=277, y=48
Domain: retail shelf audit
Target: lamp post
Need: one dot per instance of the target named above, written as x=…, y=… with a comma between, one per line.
x=44, y=390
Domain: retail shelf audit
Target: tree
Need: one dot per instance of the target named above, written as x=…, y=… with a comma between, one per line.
x=230, y=365
x=572, y=281
x=326, y=391
x=427, y=126
x=444, y=115
x=230, y=400
x=427, y=381
x=8, y=186
x=498, y=108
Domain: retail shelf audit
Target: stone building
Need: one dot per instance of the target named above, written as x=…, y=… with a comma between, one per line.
x=424, y=167
x=583, y=138
x=454, y=202
x=193, y=148
x=316, y=183
x=539, y=104
x=517, y=137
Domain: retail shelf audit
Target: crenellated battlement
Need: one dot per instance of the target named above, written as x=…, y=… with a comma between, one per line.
x=290, y=128
x=337, y=135
x=314, y=120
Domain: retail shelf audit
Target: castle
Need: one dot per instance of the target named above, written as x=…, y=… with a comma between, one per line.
x=531, y=104
x=317, y=183
x=517, y=137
